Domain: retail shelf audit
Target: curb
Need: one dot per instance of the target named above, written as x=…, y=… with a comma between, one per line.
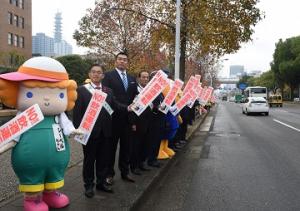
x=164, y=169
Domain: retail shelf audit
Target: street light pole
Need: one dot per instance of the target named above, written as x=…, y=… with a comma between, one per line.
x=211, y=81
x=177, y=43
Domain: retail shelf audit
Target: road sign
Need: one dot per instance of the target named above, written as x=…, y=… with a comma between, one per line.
x=243, y=86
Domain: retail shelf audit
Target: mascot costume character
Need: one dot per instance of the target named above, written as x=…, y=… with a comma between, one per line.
x=37, y=160
x=172, y=124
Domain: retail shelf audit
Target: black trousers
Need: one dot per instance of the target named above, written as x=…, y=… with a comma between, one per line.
x=157, y=129
x=95, y=157
x=139, y=148
x=120, y=133
x=182, y=131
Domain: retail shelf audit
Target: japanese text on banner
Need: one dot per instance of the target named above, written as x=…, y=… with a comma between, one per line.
x=201, y=96
x=157, y=75
x=192, y=82
x=20, y=124
x=208, y=94
x=144, y=100
x=90, y=116
x=169, y=99
x=197, y=90
x=183, y=101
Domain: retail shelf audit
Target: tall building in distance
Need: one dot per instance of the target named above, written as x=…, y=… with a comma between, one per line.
x=61, y=47
x=57, y=27
x=236, y=71
x=15, y=30
x=47, y=46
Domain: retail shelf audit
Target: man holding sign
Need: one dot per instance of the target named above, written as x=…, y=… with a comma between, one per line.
x=96, y=151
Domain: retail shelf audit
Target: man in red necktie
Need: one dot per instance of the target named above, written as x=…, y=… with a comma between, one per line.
x=96, y=151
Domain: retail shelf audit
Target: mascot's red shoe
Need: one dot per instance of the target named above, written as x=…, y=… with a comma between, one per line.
x=55, y=199
x=35, y=204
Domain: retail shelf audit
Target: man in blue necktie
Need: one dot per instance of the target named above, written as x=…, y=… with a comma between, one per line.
x=125, y=89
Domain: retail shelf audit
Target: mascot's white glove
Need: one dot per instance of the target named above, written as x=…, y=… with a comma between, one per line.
x=7, y=146
x=76, y=132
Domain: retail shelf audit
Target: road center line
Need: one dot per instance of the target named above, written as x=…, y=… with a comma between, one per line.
x=287, y=125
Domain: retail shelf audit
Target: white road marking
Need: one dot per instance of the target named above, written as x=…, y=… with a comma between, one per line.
x=287, y=125
x=206, y=125
x=281, y=110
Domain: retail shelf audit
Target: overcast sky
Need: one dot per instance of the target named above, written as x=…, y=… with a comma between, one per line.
x=281, y=21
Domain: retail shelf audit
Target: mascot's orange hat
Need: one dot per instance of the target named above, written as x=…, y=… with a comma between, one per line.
x=38, y=68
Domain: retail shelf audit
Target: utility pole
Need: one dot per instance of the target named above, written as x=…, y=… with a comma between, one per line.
x=177, y=43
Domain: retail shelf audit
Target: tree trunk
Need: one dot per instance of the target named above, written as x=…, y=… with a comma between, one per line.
x=292, y=92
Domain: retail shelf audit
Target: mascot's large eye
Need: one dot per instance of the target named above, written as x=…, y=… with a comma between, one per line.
x=29, y=94
x=61, y=95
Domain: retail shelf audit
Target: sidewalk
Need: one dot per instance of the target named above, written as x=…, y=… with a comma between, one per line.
x=125, y=197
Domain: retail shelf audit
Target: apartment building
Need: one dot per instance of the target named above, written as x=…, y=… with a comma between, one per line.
x=15, y=30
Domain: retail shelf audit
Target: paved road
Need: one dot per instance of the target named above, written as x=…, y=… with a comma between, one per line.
x=247, y=163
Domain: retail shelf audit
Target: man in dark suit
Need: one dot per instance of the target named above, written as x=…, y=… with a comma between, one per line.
x=157, y=128
x=125, y=90
x=97, y=148
x=140, y=132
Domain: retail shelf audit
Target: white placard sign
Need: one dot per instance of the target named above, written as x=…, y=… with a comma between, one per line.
x=149, y=93
x=197, y=90
x=208, y=93
x=183, y=101
x=169, y=99
x=192, y=82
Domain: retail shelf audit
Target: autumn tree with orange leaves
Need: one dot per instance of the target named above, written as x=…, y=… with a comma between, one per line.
x=208, y=28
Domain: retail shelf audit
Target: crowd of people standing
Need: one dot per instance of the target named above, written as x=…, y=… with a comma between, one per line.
x=139, y=137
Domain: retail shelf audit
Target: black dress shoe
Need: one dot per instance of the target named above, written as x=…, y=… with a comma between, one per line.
x=154, y=164
x=109, y=181
x=127, y=178
x=178, y=146
x=136, y=172
x=143, y=168
x=89, y=192
x=104, y=187
x=183, y=142
x=174, y=149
